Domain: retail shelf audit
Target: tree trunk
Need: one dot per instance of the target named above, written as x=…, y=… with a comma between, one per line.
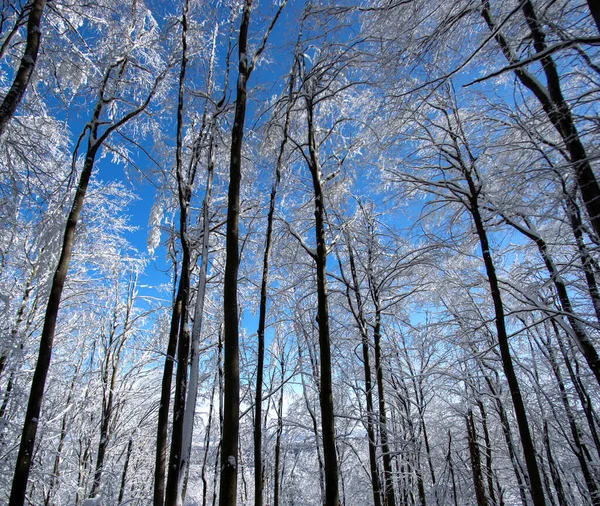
x=124, y=473
x=21, y=80
x=579, y=448
x=390, y=499
x=61, y=441
x=488, y=452
x=276, y=471
x=535, y=482
x=34, y=405
x=229, y=443
x=160, y=463
x=320, y=258
x=192, y=393
x=558, y=486
x=361, y=324
x=517, y=468
x=478, y=482
x=451, y=470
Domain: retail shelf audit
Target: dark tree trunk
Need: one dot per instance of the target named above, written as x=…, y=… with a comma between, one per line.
x=17, y=90
x=508, y=439
x=320, y=258
x=207, y=441
x=554, y=472
x=23, y=465
x=278, y=474
x=124, y=473
x=582, y=394
x=535, y=482
x=184, y=189
x=160, y=463
x=230, y=437
x=359, y=316
x=579, y=448
x=315, y=425
x=488, y=452
x=388, y=480
x=478, y=482
x=451, y=470
x=61, y=442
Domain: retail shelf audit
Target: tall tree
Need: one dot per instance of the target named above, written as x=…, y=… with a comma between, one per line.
x=229, y=443
x=97, y=133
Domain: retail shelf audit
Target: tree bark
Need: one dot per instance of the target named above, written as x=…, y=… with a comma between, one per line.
x=124, y=473
x=320, y=258
x=276, y=470
x=229, y=443
x=478, y=482
x=17, y=90
x=390, y=499
x=36, y=394
x=535, y=482
x=359, y=317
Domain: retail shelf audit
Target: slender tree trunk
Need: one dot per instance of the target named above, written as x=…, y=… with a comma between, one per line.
x=192, y=393
x=320, y=258
x=184, y=188
x=584, y=398
x=554, y=472
x=579, y=448
x=478, y=482
x=488, y=452
x=390, y=499
x=315, y=425
x=451, y=470
x=124, y=473
x=276, y=471
x=22, y=77
x=61, y=442
x=160, y=463
x=23, y=465
x=229, y=443
x=359, y=317
x=508, y=439
x=112, y=359
x=535, y=481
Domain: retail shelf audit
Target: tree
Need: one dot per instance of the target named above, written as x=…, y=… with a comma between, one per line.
x=26, y=67
x=96, y=137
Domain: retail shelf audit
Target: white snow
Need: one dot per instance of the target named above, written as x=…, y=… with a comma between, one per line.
x=231, y=461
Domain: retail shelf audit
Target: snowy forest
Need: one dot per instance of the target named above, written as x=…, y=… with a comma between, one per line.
x=300, y=253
